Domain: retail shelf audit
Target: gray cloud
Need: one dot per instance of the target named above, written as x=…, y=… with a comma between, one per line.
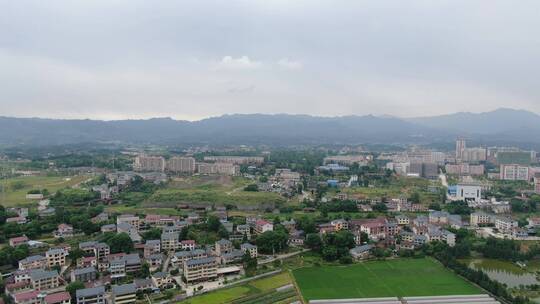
x=134, y=59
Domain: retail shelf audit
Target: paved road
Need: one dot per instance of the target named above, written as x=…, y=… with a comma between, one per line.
x=283, y=256
x=166, y=264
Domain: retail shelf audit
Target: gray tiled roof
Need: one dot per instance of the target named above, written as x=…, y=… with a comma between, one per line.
x=201, y=261
x=39, y=274
x=120, y=290
x=90, y=292
x=80, y=271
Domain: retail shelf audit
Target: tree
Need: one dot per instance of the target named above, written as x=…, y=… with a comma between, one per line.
x=213, y=223
x=120, y=243
x=75, y=254
x=314, y=242
x=380, y=207
x=415, y=198
x=251, y=188
x=272, y=241
x=329, y=253
x=152, y=234
x=250, y=264
x=73, y=287
x=435, y=206
x=145, y=271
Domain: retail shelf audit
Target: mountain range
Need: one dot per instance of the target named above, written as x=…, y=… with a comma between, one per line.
x=504, y=126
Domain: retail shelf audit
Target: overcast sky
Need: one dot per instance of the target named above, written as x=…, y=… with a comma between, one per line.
x=195, y=59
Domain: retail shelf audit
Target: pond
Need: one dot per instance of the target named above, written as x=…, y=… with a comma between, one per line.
x=504, y=272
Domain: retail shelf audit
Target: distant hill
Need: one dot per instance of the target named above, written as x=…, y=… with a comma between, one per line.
x=503, y=125
x=506, y=125
x=233, y=129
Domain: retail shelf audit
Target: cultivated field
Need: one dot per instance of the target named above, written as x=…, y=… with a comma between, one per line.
x=258, y=291
x=403, y=277
x=16, y=188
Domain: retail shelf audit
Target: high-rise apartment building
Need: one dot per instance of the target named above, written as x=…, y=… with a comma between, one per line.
x=460, y=147
x=179, y=164
x=149, y=163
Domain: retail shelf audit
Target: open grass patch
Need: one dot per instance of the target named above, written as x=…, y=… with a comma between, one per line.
x=393, y=278
x=17, y=188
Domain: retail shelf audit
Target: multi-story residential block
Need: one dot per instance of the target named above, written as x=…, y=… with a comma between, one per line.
x=514, y=172
x=149, y=163
x=249, y=248
x=57, y=298
x=237, y=160
x=180, y=257
x=402, y=219
x=340, y=224
x=198, y=270
x=348, y=160
x=94, y=295
x=124, y=294
x=474, y=155
x=233, y=256
x=505, y=224
x=465, y=169
x=33, y=262
x=155, y=260
x=156, y=220
x=152, y=247
x=169, y=241
x=178, y=164
x=56, y=257
x=261, y=226
x=223, y=246
x=188, y=244
x=87, y=274
x=162, y=279
x=426, y=170
x=244, y=230
x=44, y=279
x=123, y=264
x=537, y=183
x=218, y=168
x=28, y=297
x=439, y=217
x=130, y=219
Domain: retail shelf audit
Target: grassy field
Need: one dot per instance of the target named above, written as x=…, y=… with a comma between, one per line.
x=16, y=188
x=212, y=190
x=258, y=291
x=403, y=277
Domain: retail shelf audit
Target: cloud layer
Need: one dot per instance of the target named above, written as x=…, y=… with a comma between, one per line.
x=188, y=60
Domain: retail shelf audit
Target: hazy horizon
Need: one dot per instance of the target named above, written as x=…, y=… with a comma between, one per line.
x=198, y=59
x=232, y=114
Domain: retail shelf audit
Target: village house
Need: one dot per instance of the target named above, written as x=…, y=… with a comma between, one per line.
x=124, y=294
x=33, y=262
x=44, y=279
x=198, y=270
x=249, y=248
x=223, y=246
x=361, y=252
x=261, y=226
x=162, y=280
x=56, y=257
x=18, y=241
x=86, y=274
x=57, y=298
x=94, y=295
